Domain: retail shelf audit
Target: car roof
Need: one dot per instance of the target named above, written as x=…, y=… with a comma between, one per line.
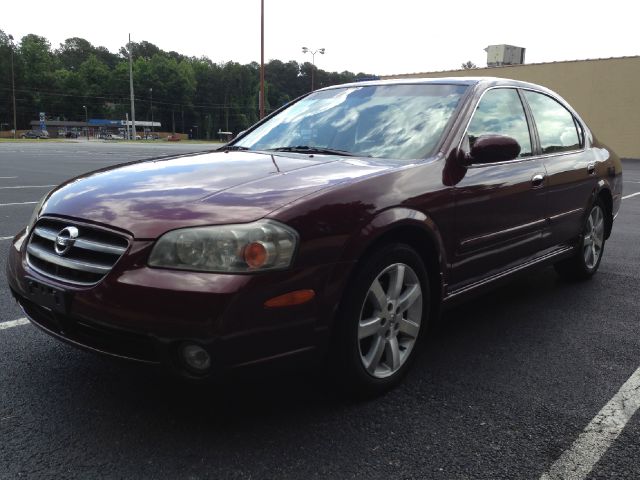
x=489, y=81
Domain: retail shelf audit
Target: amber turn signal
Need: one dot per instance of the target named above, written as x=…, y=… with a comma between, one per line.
x=292, y=298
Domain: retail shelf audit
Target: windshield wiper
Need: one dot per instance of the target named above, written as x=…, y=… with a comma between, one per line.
x=232, y=148
x=307, y=149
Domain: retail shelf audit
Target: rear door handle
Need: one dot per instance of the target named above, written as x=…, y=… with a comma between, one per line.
x=537, y=179
x=591, y=168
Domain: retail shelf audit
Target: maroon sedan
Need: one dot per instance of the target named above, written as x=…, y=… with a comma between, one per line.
x=334, y=229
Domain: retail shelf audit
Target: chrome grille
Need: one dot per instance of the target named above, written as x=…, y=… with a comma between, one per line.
x=93, y=253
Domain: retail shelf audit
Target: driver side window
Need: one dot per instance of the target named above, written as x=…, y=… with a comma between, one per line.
x=500, y=112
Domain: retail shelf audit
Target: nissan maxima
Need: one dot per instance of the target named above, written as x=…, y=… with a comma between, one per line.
x=333, y=230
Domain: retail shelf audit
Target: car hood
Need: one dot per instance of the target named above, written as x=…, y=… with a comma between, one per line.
x=150, y=197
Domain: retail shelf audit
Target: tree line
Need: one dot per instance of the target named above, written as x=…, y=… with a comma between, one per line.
x=183, y=93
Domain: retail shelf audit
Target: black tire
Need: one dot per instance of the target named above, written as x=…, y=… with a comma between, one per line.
x=396, y=330
x=581, y=266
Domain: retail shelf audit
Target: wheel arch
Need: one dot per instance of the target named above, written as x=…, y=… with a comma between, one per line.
x=413, y=228
x=603, y=193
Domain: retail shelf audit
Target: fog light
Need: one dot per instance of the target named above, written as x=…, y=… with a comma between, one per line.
x=196, y=357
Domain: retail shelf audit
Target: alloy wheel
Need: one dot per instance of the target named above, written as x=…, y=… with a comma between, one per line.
x=593, y=237
x=390, y=320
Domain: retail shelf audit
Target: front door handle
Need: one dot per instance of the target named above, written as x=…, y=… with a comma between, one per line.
x=591, y=168
x=537, y=179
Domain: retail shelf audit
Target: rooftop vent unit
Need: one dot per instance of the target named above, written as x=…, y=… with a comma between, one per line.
x=500, y=55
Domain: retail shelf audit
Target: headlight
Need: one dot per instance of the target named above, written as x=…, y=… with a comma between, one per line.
x=258, y=246
x=34, y=215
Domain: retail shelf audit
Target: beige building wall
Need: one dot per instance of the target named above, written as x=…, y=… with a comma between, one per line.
x=605, y=92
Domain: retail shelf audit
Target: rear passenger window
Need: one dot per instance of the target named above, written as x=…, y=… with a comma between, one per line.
x=558, y=130
x=500, y=112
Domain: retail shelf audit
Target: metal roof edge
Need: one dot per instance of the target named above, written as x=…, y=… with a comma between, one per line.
x=417, y=74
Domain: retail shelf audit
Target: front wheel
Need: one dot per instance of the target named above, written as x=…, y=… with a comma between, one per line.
x=382, y=320
x=590, y=249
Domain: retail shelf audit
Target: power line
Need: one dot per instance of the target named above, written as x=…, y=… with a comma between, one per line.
x=110, y=98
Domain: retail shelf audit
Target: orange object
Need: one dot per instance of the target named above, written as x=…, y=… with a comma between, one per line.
x=255, y=254
x=297, y=297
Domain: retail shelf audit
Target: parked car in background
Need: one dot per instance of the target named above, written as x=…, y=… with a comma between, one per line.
x=67, y=134
x=39, y=134
x=333, y=230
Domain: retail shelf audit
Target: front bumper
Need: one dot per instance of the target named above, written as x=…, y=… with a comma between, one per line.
x=145, y=314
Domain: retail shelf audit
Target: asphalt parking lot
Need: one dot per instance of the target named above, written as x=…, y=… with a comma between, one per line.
x=505, y=386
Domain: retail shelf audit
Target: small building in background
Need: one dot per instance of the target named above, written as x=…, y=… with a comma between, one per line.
x=97, y=128
x=501, y=55
x=60, y=128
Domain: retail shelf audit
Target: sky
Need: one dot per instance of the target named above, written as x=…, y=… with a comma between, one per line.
x=374, y=36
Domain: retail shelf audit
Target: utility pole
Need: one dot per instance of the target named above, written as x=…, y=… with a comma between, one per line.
x=86, y=120
x=13, y=89
x=133, y=102
x=261, y=59
x=151, y=105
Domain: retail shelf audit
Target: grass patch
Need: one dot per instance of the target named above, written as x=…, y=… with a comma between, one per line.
x=94, y=140
x=35, y=140
x=165, y=142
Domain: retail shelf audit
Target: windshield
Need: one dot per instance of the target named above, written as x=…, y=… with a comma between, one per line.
x=386, y=121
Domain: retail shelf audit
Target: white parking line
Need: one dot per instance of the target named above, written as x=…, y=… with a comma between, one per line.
x=6, y=238
x=629, y=196
x=8, y=177
x=28, y=186
x=13, y=323
x=17, y=203
x=577, y=462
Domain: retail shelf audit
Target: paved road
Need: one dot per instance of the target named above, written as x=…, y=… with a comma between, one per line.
x=505, y=385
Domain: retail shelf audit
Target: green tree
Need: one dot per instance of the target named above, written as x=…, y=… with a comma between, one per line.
x=38, y=60
x=37, y=65
x=68, y=104
x=143, y=49
x=95, y=75
x=75, y=51
x=284, y=82
x=193, y=93
x=6, y=108
x=173, y=84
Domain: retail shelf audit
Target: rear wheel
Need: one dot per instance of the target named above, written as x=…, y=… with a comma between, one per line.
x=590, y=249
x=382, y=320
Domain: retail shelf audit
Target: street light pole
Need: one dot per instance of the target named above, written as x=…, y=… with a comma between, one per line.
x=86, y=120
x=313, y=61
x=13, y=89
x=151, y=94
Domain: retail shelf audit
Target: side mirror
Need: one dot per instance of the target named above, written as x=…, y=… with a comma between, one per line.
x=493, y=148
